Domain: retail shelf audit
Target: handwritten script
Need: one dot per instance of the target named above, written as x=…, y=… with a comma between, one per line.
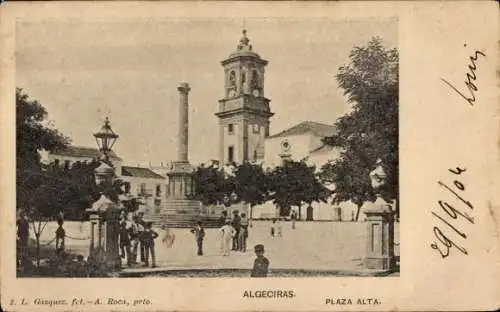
x=451, y=215
x=471, y=78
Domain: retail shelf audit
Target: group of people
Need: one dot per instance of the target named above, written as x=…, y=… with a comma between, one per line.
x=137, y=238
x=137, y=242
x=234, y=233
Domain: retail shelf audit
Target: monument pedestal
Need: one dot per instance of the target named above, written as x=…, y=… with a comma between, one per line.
x=180, y=210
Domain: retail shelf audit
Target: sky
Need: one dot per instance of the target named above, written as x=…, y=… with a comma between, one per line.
x=129, y=70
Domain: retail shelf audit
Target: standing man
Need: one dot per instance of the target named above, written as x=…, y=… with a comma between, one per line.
x=23, y=233
x=294, y=218
x=222, y=218
x=140, y=228
x=134, y=237
x=125, y=242
x=236, y=223
x=149, y=237
x=199, y=234
x=227, y=235
x=243, y=235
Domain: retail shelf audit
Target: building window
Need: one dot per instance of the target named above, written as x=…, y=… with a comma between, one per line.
x=232, y=79
x=143, y=189
x=230, y=154
x=254, y=83
x=66, y=164
x=231, y=88
x=158, y=190
x=243, y=81
x=255, y=155
x=230, y=128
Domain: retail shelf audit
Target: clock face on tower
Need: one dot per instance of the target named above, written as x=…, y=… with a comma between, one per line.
x=256, y=92
x=232, y=93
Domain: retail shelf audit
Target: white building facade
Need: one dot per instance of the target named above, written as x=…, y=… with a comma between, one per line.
x=148, y=186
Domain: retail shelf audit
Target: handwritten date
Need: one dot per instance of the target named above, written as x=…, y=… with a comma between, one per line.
x=448, y=214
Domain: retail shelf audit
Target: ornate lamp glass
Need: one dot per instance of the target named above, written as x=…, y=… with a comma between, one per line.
x=106, y=138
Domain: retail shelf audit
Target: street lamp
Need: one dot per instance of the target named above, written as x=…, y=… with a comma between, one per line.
x=104, y=212
x=105, y=139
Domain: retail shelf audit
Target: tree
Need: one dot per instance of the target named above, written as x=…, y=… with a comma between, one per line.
x=210, y=185
x=370, y=131
x=295, y=183
x=251, y=184
x=33, y=133
x=36, y=194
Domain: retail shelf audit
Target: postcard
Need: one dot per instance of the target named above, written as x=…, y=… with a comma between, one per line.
x=244, y=156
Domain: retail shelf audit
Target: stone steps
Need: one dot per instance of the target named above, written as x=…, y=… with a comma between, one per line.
x=178, y=213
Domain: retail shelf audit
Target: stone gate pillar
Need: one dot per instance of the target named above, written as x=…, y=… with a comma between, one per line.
x=106, y=215
x=379, y=252
x=112, y=227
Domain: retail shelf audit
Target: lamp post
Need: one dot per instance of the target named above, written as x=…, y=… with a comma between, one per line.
x=104, y=212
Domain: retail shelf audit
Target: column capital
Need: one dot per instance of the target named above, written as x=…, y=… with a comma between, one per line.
x=184, y=88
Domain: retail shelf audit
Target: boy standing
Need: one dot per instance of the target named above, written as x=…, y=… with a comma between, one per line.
x=261, y=263
x=199, y=234
x=149, y=237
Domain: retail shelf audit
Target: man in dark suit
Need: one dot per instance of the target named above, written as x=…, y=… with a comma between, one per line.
x=199, y=234
x=236, y=223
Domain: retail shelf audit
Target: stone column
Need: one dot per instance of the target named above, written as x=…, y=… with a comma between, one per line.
x=183, y=121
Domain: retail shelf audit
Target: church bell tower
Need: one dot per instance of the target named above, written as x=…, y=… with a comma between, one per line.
x=244, y=111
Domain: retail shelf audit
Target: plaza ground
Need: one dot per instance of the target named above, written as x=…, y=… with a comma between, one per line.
x=315, y=246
